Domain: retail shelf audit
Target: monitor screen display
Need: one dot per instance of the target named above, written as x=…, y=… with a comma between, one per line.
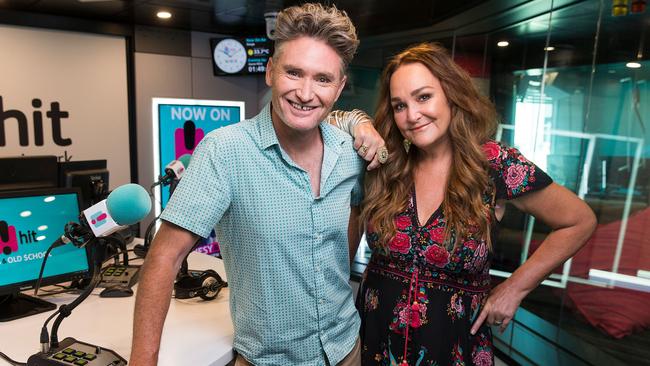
x=91, y=176
x=65, y=167
x=30, y=221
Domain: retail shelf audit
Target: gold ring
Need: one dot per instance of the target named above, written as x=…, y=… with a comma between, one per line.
x=382, y=154
x=363, y=150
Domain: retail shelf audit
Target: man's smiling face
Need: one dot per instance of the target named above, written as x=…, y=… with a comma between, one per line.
x=306, y=79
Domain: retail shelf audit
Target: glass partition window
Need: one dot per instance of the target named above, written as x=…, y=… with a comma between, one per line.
x=572, y=90
x=576, y=109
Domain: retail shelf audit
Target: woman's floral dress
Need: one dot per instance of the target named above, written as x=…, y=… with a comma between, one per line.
x=418, y=302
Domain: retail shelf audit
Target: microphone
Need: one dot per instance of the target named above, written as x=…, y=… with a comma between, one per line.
x=175, y=169
x=126, y=205
x=172, y=179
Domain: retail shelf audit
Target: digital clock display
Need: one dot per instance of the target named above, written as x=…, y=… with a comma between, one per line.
x=240, y=56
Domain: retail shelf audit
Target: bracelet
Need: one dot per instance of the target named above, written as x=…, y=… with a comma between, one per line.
x=346, y=121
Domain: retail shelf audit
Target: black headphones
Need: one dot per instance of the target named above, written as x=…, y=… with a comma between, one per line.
x=204, y=284
x=189, y=283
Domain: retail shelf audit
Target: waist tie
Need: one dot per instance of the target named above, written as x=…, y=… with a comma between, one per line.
x=413, y=313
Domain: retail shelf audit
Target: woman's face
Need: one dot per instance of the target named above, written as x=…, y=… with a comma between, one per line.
x=420, y=107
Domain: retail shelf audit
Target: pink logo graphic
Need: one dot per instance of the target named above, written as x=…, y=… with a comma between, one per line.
x=8, y=239
x=98, y=219
x=186, y=138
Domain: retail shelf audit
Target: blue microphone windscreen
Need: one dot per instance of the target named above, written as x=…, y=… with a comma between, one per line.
x=128, y=204
x=185, y=159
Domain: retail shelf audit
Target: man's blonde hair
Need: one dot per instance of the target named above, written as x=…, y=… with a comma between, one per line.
x=329, y=24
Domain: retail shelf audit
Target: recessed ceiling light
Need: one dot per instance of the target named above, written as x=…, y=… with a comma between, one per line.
x=503, y=43
x=633, y=65
x=549, y=48
x=164, y=15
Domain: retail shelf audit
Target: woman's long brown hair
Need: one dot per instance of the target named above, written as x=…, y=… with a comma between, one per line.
x=473, y=122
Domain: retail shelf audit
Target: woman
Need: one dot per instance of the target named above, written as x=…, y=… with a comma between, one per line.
x=431, y=215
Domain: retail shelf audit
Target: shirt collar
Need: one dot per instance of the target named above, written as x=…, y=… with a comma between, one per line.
x=268, y=138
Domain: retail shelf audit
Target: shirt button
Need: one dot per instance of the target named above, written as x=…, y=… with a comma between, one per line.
x=317, y=268
x=321, y=301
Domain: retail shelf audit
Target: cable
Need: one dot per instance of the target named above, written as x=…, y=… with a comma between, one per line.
x=149, y=234
x=141, y=249
x=154, y=185
x=117, y=254
x=66, y=309
x=40, y=274
x=109, y=246
x=152, y=193
x=75, y=234
x=100, y=275
x=119, y=246
x=8, y=359
x=53, y=292
x=50, y=318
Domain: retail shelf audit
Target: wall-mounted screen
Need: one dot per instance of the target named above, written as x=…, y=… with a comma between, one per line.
x=178, y=127
x=240, y=56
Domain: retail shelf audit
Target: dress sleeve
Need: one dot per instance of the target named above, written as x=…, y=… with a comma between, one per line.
x=512, y=173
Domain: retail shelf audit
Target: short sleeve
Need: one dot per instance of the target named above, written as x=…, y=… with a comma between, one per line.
x=512, y=173
x=203, y=194
x=357, y=191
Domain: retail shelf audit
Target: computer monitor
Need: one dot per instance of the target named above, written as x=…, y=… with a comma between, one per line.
x=28, y=172
x=90, y=176
x=30, y=221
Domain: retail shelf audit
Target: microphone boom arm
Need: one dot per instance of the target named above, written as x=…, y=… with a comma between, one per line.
x=66, y=309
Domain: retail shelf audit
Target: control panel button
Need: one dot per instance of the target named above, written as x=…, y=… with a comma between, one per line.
x=70, y=358
x=79, y=354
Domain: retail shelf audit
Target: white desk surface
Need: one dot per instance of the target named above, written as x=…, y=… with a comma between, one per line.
x=196, y=332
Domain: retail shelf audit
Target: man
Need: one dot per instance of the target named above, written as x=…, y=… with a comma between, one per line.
x=279, y=189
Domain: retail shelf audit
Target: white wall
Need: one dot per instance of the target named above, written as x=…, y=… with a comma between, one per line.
x=86, y=75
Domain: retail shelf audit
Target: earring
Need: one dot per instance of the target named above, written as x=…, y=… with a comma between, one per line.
x=407, y=145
